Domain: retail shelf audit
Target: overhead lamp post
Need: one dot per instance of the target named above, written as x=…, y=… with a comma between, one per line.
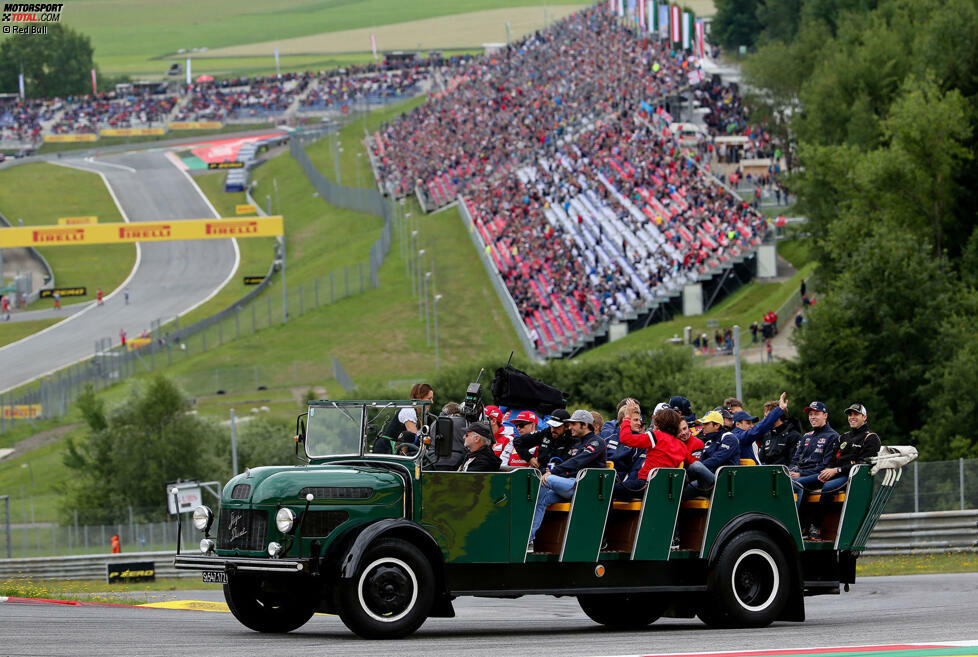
x=417, y=272
x=409, y=268
x=435, y=313
x=427, y=326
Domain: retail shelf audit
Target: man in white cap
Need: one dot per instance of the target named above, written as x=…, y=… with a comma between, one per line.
x=558, y=482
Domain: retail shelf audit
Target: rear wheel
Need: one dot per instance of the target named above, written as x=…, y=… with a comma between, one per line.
x=749, y=584
x=622, y=611
x=262, y=611
x=391, y=593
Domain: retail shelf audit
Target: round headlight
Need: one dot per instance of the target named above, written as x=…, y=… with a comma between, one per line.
x=285, y=520
x=274, y=549
x=206, y=546
x=203, y=517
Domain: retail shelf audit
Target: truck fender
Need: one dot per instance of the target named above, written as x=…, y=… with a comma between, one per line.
x=795, y=609
x=409, y=531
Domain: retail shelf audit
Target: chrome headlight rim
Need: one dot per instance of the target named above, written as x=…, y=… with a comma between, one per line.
x=285, y=520
x=203, y=518
x=274, y=549
x=207, y=545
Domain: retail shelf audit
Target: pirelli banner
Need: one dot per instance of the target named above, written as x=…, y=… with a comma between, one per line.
x=195, y=125
x=131, y=132
x=144, y=231
x=67, y=139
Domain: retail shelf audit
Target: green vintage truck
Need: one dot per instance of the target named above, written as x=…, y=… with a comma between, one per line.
x=386, y=540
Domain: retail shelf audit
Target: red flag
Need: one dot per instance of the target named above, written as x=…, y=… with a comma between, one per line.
x=675, y=18
x=94, y=86
x=641, y=14
x=699, y=39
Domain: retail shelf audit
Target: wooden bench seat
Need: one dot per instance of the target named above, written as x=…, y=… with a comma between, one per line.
x=696, y=503
x=559, y=506
x=627, y=506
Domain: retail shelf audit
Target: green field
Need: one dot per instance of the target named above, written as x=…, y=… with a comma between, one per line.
x=128, y=36
x=53, y=192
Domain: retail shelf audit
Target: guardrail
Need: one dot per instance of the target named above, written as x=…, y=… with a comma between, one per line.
x=936, y=532
x=85, y=566
x=925, y=533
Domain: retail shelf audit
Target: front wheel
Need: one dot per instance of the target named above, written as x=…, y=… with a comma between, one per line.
x=391, y=593
x=749, y=584
x=262, y=611
x=622, y=611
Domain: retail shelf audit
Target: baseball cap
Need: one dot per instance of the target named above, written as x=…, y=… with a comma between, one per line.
x=558, y=418
x=712, y=416
x=482, y=429
x=857, y=408
x=724, y=412
x=740, y=416
x=494, y=413
x=525, y=416
x=816, y=406
x=662, y=406
x=580, y=415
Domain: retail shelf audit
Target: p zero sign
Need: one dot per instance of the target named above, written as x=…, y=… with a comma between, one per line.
x=133, y=571
x=146, y=231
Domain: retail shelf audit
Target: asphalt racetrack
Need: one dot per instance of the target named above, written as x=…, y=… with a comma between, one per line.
x=170, y=277
x=878, y=611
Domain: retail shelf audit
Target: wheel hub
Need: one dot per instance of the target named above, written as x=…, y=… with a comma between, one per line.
x=388, y=590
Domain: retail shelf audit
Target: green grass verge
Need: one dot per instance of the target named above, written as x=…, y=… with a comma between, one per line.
x=14, y=331
x=40, y=193
x=104, y=142
x=35, y=497
x=745, y=306
x=94, y=590
x=797, y=251
x=917, y=564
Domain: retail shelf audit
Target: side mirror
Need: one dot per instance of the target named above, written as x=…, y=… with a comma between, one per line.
x=300, y=432
x=444, y=437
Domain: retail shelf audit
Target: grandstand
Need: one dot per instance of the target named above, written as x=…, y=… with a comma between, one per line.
x=588, y=207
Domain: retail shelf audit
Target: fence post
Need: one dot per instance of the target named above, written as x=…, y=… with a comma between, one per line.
x=916, y=487
x=237, y=322
x=220, y=333
x=961, y=474
x=269, y=298
x=252, y=319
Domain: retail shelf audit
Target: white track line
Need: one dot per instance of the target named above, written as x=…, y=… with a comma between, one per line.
x=234, y=243
x=110, y=164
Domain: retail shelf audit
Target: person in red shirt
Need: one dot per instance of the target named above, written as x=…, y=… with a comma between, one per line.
x=663, y=449
x=505, y=447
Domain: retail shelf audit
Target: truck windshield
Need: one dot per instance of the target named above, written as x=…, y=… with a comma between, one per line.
x=334, y=430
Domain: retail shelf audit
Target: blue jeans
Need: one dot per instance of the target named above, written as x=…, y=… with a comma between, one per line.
x=701, y=479
x=557, y=489
x=810, y=483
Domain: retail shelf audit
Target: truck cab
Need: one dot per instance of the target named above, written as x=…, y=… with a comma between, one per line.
x=387, y=540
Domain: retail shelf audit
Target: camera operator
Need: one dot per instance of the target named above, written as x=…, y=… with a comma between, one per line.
x=551, y=441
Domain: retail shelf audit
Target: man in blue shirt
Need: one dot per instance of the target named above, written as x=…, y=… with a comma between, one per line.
x=748, y=432
x=815, y=451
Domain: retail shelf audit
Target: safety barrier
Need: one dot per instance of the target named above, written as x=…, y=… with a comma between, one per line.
x=925, y=533
x=33, y=296
x=896, y=533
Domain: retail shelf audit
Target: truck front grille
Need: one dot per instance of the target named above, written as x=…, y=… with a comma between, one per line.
x=242, y=529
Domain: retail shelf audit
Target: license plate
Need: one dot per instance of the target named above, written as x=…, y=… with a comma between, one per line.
x=214, y=577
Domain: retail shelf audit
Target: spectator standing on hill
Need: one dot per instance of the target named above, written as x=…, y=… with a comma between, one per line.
x=98, y=297
x=57, y=300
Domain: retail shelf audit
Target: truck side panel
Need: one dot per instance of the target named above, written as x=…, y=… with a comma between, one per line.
x=589, y=511
x=658, y=515
x=765, y=489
